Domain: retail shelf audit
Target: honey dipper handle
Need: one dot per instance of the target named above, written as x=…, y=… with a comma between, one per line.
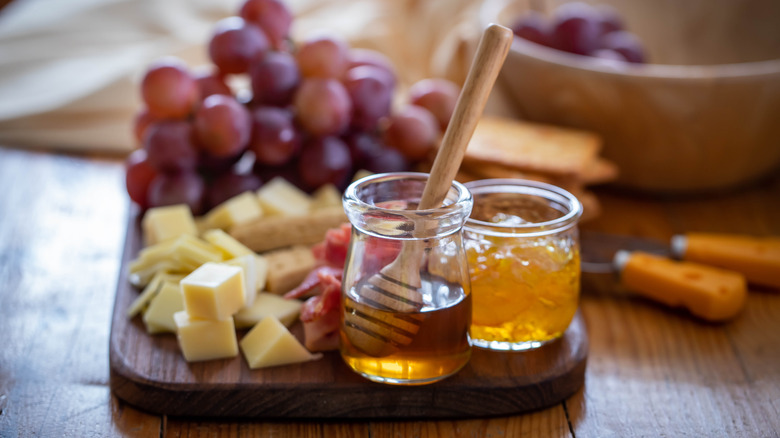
x=491, y=52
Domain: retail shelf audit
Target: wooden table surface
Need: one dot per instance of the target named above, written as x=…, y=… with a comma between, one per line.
x=651, y=371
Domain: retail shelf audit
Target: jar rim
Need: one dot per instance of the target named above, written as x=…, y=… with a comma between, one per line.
x=550, y=192
x=364, y=212
x=351, y=193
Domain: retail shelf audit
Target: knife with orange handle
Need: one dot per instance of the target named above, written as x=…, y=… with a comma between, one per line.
x=757, y=258
x=710, y=293
x=710, y=280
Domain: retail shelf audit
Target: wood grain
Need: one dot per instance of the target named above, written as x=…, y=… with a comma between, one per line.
x=150, y=372
x=650, y=372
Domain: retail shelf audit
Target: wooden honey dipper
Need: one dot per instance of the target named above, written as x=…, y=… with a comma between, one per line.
x=387, y=322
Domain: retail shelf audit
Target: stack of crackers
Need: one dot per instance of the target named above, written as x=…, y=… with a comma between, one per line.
x=565, y=157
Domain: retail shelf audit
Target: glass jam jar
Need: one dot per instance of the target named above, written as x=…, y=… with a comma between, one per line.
x=522, y=244
x=406, y=298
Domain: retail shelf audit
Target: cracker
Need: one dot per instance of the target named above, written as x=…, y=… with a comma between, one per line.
x=532, y=147
x=287, y=268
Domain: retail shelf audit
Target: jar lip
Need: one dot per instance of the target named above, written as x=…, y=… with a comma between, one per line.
x=529, y=187
x=351, y=193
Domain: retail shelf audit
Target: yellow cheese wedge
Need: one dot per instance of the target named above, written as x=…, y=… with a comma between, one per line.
x=159, y=316
x=236, y=210
x=213, y=291
x=325, y=196
x=204, y=339
x=230, y=247
x=267, y=304
x=248, y=264
x=163, y=223
x=758, y=258
x=270, y=344
x=278, y=197
x=710, y=293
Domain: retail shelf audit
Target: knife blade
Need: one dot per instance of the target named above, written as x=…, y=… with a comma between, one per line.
x=757, y=258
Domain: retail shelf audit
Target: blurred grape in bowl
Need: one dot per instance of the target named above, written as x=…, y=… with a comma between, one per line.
x=702, y=113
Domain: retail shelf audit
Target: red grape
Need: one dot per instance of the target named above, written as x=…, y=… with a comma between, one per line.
x=228, y=185
x=222, y=125
x=177, y=188
x=272, y=16
x=609, y=55
x=274, y=77
x=235, y=44
x=323, y=56
x=138, y=176
x=323, y=106
x=575, y=28
x=169, y=90
x=274, y=139
x=413, y=131
x=625, y=43
x=386, y=160
x=210, y=165
x=169, y=146
x=211, y=82
x=141, y=123
x=358, y=57
x=609, y=19
x=437, y=96
x=533, y=27
x=362, y=146
x=324, y=160
x=371, y=95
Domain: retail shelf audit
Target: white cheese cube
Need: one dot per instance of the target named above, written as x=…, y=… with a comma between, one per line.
x=213, y=291
x=162, y=223
x=249, y=266
x=205, y=339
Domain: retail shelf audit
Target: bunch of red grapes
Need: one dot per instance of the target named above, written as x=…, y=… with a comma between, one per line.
x=582, y=29
x=314, y=114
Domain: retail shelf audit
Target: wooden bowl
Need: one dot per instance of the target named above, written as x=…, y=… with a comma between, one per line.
x=704, y=116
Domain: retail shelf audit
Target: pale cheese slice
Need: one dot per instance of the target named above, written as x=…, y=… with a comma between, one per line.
x=151, y=289
x=162, y=223
x=236, y=210
x=270, y=344
x=327, y=195
x=248, y=264
x=159, y=316
x=230, y=247
x=267, y=304
x=279, y=197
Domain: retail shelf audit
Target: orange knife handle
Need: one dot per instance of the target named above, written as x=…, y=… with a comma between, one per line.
x=758, y=258
x=710, y=293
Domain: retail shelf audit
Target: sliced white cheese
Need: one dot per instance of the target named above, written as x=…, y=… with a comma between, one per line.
x=230, y=247
x=159, y=316
x=236, y=210
x=279, y=197
x=249, y=266
x=267, y=304
x=270, y=344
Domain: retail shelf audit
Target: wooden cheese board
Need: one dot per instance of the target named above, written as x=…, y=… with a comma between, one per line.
x=149, y=372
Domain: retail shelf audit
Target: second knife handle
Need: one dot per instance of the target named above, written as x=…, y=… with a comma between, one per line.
x=757, y=258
